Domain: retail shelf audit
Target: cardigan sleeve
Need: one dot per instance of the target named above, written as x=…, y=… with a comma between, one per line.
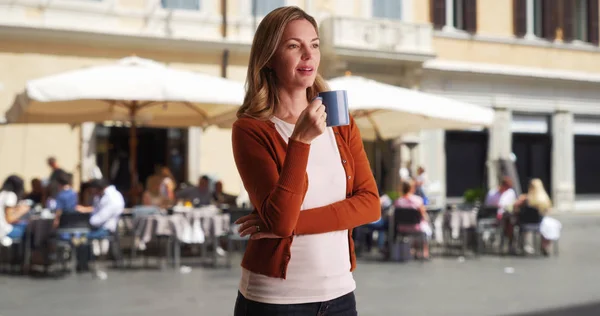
x=277, y=196
x=360, y=208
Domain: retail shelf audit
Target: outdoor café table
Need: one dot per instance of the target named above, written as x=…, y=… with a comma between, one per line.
x=454, y=223
x=191, y=226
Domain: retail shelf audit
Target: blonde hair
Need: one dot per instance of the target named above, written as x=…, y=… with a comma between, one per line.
x=261, y=82
x=537, y=196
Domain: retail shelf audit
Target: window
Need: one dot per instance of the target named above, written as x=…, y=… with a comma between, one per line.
x=456, y=14
x=181, y=4
x=537, y=18
x=263, y=7
x=387, y=9
x=580, y=20
x=567, y=19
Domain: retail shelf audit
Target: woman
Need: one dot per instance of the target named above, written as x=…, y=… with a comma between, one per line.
x=410, y=200
x=152, y=195
x=11, y=212
x=167, y=185
x=538, y=199
x=310, y=184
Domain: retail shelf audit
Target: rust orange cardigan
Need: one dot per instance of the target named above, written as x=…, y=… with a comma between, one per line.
x=274, y=174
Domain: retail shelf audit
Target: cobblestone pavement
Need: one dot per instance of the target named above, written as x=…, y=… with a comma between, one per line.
x=566, y=285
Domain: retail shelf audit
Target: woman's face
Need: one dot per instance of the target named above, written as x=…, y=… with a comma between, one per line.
x=297, y=58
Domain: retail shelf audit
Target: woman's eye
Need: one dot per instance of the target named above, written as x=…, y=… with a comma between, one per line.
x=315, y=45
x=293, y=46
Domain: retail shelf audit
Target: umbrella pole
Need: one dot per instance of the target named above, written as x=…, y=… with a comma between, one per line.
x=133, y=153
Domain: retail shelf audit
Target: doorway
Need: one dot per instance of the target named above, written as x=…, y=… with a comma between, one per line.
x=466, y=156
x=156, y=147
x=533, y=153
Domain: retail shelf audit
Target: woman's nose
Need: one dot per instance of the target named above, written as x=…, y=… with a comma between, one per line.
x=306, y=54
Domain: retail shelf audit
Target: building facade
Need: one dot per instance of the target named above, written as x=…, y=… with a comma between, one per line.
x=533, y=61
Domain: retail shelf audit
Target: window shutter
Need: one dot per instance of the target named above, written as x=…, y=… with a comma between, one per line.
x=438, y=13
x=568, y=26
x=593, y=26
x=549, y=22
x=520, y=17
x=470, y=16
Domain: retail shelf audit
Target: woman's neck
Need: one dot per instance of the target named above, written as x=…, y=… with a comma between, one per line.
x=291, y=104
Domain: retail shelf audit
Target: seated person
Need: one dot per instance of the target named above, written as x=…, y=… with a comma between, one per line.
x=503, y=198
x=107, y=208
x=152, y=195
x=199, y=195
x=108, y=205
x=37, y=191
x=12, y=225
x=66, y=199
x=380, y=225
x=410, y=200
x=220, y=197
x=537, y=198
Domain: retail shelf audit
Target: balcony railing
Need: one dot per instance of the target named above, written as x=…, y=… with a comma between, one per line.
x=378, y=35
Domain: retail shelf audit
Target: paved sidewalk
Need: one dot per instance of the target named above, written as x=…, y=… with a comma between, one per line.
x=444, y=286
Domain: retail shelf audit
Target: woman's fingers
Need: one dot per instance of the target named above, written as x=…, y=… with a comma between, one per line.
x=250, y=229
x=247, y=218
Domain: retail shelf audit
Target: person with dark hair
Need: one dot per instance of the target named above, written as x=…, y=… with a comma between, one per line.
x=199, y=195
x=37, y=191
x=409, y=200
x=106, y=209
x=66, y=199
x=11, y=211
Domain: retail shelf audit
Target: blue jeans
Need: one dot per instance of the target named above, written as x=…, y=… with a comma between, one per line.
x=341, y=306
x=18, y=230
x=98, y=233
x=381, y=226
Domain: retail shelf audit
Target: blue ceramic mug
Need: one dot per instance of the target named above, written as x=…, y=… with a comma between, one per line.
x=336, y=107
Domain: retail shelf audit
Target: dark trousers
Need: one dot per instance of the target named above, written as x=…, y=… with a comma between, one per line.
x=341, y=306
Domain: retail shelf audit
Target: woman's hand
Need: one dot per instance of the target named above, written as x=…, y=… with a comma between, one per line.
x=252, y=225
x=311, y=122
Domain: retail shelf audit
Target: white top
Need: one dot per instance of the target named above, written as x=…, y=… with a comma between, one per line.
x=504, y=201
x=319, y=268
x=107, y=209
x=7, y=199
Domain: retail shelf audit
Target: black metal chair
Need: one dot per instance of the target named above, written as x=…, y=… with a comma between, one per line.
x=71, y=232
x=528, y=221
x=402, y=225
x=487, y=222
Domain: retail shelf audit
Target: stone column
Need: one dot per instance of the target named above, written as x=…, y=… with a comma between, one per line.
x=432, y=156
x=500, y=142
x=563, y=162
x=193, y=154
x=87, y=154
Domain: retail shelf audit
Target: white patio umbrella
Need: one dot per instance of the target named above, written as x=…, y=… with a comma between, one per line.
x=133, y=89
x=385, y=111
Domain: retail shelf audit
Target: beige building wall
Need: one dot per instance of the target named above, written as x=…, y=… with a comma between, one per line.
x=557, y=58
x=495, y=17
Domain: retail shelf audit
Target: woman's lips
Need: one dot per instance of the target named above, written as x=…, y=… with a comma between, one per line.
x=305, y=70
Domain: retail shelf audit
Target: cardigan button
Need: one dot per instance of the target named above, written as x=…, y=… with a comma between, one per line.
x=343, y=161
x=349, y=177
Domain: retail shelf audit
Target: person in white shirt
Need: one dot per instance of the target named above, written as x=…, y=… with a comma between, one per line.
x=107, y=208
x=12, y=225
x=504, y=199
